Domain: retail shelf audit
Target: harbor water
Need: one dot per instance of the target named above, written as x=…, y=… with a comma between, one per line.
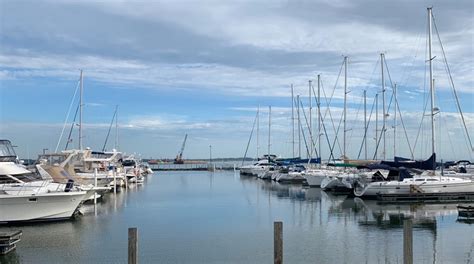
x=221, y=217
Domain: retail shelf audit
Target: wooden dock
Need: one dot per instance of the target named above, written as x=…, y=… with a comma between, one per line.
x=426, y=198
x=8, y=241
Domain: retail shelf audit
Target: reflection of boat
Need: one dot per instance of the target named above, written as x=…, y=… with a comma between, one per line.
x=466, y=211
x=408, y=210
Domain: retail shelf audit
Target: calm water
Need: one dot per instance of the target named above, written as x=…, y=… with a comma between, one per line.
x=202, y=217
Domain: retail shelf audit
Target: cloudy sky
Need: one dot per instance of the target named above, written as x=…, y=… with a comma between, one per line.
x=203, y=68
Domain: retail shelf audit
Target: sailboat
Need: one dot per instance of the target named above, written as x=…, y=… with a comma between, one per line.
x=430, y=181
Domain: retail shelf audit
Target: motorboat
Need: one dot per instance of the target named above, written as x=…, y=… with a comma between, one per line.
x=37, y=200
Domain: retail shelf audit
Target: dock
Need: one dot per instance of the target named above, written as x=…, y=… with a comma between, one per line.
x=426, y=198
x=191, y=166
x=8, y=241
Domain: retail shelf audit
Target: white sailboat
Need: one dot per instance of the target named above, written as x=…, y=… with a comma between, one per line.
x=429, y=181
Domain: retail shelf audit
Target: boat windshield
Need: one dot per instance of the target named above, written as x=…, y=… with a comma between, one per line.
x=7, y=153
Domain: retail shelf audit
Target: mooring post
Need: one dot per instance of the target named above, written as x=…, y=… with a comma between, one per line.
x=278, y=242
x=132, y=245
x=407, y=241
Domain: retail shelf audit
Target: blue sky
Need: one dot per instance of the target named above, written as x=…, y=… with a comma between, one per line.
x=177, y=67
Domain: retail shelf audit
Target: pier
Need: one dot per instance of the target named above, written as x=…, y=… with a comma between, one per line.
x=193, y=166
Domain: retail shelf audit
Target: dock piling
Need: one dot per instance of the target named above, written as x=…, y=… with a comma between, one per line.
x=278, y=242
x=132, y=245
x=407, y=241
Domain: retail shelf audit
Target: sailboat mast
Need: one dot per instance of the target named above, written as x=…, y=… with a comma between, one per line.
x=269, y=128
x=310, y=118
x=376, y=124
x=431, y=80
x=365, y=123
x=116, y=128
x=80, y=112
x=319, y=117
x=293, y=121
x=384, y=117
x=345, y=105
x=299, y=125
x=395, y=121
x=258, y=130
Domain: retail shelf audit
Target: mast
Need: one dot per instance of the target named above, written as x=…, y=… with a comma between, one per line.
x=384, y=117
x=319, y=117
x=310, y=119
x=299, y=125
x=269, y=128
x=376, y=124
x=365, y=123
x=431, y=80
x=293, y=120
x=345, y=105
x=258, y=130
x=116, y=128
x=80, y=112
x=395, y=121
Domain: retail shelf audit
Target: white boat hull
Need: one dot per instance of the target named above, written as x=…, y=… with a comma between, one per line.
x=40, y=207
x=446, y=185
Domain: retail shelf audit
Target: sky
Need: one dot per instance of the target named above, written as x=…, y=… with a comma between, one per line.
x=203, y=68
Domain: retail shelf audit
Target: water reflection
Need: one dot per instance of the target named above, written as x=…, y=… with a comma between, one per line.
x=219, y=217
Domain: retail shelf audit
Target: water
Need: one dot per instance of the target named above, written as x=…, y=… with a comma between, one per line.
x=203, y=217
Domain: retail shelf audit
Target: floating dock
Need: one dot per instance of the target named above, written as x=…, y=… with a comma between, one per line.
x=426, y=198
x=8, y=241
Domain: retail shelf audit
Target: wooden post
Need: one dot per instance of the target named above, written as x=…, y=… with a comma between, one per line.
x=132, y=245
x=407, y=241
x=278, y=242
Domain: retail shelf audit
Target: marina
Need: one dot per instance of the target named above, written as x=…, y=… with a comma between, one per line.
x=233, y=148
x=222, y=217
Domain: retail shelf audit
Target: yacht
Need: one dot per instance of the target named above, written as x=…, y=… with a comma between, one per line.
x=37, y=200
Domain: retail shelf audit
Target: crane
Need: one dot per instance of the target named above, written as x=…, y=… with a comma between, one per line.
x=179, y=157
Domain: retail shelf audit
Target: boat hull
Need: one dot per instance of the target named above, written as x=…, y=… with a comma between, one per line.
x=40, y=207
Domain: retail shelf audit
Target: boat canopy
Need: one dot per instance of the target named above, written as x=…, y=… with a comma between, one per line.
x=429, y=164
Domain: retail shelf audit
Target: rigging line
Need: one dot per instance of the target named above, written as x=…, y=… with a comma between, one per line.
x=421, y=124
x=397, y=107
x=452, y=84
x=388, y=110
x=336, y=137
x=323, y=125
x=67, y=117
x=110, y=127
x=357, y=115
x=405, y=130
x=310, y=134
x=72, y=127
x=406, y=77
x=366, y=129
x=250, y=138
x=330, y=114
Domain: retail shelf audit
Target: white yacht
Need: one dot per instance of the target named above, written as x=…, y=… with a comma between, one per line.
x=419, y=183
x=36, y=200
x=255, y=169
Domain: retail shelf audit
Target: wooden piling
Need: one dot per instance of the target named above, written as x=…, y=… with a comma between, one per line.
x=132, y=245
x=407, y=241
x=278, y=242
